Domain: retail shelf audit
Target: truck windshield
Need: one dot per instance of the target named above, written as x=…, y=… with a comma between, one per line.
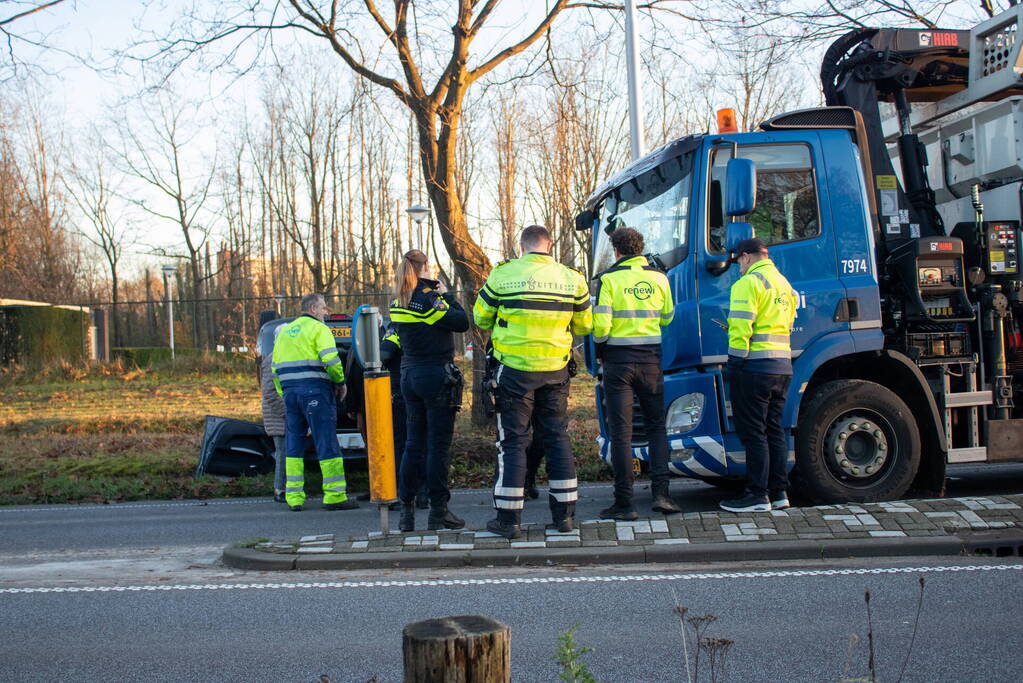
x=657, y=204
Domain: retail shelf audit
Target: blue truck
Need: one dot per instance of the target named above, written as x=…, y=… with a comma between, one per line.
x=907, y=350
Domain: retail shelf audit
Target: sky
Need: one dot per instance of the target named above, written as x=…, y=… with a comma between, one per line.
x=84, y=84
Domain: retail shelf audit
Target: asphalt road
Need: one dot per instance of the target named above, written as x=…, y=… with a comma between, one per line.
x=787, y=623
x=28, y=533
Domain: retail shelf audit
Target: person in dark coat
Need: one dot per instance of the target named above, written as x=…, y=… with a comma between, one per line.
x=273, y=423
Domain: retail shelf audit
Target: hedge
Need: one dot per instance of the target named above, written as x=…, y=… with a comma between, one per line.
x=147, y=356
x=41, y=335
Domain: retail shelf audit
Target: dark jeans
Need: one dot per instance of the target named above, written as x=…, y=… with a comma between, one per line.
x=622, y=383
x=540, y=398
x=429, y=426
x=758, y=400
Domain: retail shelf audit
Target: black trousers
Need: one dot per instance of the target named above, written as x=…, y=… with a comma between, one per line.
x=758, y=400
x=429, y=426
x=622, y=384
x=540, y=397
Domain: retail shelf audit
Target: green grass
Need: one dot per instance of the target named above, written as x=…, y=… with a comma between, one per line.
x=102, y=433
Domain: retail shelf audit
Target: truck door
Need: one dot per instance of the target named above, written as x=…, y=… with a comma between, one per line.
x=792, y=216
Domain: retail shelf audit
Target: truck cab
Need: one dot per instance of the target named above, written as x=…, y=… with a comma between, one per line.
x=906, y=344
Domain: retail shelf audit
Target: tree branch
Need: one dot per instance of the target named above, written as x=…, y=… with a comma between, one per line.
x=518, y=47
x=27, y=12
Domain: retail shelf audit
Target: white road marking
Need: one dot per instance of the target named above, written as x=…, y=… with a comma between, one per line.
x=516, y=580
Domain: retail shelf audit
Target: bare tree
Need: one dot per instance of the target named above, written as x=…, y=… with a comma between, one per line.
x=813, y=22
x=758, y=76
x=156, y=149
x=91, y=189
x=506, y=150
x=13, y=35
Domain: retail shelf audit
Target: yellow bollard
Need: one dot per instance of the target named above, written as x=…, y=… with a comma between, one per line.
x=383, y=487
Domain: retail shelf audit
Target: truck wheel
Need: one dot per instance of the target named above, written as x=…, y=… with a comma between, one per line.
x=856, y=441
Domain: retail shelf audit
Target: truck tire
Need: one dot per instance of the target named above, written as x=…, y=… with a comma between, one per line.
x=856, y=441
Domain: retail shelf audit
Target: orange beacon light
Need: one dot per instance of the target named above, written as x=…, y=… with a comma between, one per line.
x=726, y=121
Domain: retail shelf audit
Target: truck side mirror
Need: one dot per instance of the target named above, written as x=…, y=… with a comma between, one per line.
x=584, y=220
x=740, y=187
x=735, y=233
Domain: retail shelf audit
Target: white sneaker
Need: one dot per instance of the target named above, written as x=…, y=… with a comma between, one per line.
x=780, y=501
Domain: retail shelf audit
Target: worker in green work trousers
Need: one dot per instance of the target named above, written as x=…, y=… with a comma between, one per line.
x=307, y=372
x=633, y=304
x=533, y=304
x=760, y=316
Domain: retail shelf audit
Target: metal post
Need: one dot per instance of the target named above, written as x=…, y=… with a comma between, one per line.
x=379, y=433
x=632, y=71
x=170, y=321
x=168, y=285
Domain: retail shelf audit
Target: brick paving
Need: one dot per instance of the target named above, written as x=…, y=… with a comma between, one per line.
x=915, y=518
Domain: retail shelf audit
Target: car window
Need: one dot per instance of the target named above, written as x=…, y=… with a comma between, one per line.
x=787, y=206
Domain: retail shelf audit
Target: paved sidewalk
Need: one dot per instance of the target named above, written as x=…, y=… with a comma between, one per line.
x=991, y=525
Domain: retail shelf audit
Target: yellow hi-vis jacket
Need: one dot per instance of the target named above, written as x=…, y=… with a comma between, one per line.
x=761, y=312
x=533, y=304
x=304, y=352
x=633, y=304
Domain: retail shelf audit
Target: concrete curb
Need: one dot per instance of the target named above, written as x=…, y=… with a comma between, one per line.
x=994, y=543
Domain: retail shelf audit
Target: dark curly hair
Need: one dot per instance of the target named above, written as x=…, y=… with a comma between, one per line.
x=627, y=241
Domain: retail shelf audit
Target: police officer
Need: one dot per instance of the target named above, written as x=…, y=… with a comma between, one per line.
x=426, y=317
x=533, y=305
x=307, y=372
x=633, y=304
x=761, y=312
x=390, y=356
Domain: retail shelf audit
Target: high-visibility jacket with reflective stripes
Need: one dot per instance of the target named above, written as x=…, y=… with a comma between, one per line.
x=760, y=316
x=305, y=351
x=633, y=304
x=533, y=304
x=426, y=325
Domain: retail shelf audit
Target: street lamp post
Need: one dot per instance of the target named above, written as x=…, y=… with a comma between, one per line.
x=168, y=272
x=418, y=213
x=635, y=90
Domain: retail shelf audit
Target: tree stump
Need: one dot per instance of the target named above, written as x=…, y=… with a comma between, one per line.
x=468, y=649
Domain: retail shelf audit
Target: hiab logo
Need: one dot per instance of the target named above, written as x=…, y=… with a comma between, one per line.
x=641, y=290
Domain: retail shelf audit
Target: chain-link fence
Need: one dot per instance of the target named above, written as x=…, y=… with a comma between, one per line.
x=215, y=324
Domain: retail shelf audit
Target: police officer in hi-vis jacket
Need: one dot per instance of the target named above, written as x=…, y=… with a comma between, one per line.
x=532, y=305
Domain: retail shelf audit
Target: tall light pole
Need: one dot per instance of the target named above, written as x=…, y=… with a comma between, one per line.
x=632, y=72
x=168, y=272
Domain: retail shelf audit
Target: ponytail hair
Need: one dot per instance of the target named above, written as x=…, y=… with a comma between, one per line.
x=407, y=275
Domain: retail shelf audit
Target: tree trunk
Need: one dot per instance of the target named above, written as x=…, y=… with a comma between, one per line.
x=467, y=649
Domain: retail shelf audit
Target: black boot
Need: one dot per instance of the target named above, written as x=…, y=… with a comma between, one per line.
x=562, y=514
x=442, y=518
x=622, y=510
x=407, y=520
x=505, y=524
x=662, y=501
